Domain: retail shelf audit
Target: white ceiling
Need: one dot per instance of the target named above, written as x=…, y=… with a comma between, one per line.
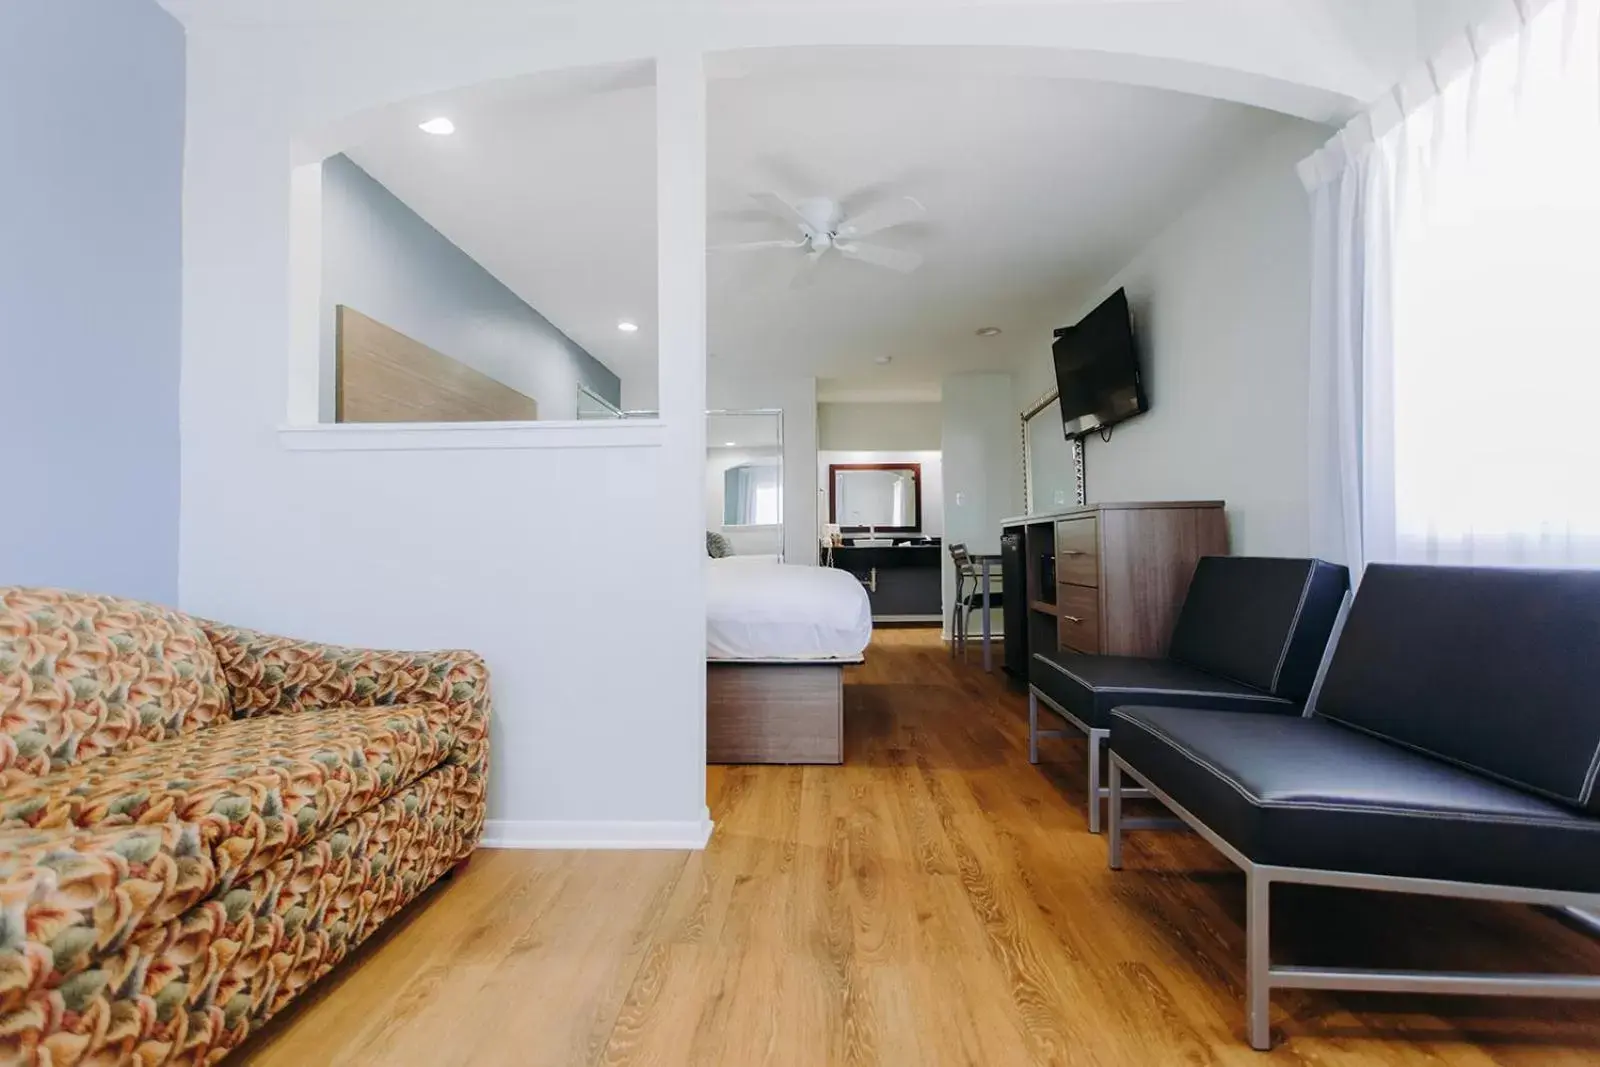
x=1037, y=189
x=553, y=194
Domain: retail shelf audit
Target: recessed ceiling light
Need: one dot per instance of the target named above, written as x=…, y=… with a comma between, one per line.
x=989, y=331
x=439, y=127
x=727, y=444
x=628, y=327
x=883, y=360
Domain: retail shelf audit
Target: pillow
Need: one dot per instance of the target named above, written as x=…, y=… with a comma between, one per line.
x=718, y=546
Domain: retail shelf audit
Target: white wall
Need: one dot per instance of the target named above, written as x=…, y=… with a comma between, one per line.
x=513, y=548
x=932, y=482
x=982, y=465
x=571, y=558
x=90, y=292
x=902, y=427
x=1220, y=306
x=797, y=398
x=382, y=259
x=982, y=458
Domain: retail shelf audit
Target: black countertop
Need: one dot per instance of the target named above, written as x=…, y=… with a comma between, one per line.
x=850, y=557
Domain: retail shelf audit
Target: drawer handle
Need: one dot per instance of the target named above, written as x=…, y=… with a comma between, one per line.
x=1073, y=552
x=1072, y=618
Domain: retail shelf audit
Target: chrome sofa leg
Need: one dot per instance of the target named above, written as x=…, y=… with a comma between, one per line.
x=1258, y=959
x=1097, y=738
x=1033, y=726
x=1114, y=817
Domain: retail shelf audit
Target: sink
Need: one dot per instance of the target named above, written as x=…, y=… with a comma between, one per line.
x=872, y=542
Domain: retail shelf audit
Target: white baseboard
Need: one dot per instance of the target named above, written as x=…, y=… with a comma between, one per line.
x=503, y=833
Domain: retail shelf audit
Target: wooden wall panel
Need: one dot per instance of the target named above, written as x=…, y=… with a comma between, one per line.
x=385, y=376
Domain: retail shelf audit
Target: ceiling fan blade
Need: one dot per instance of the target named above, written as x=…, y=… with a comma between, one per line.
x=806, y=272
x=783, y=209
x=880, y=256
x=751, y=246
x=895, y=212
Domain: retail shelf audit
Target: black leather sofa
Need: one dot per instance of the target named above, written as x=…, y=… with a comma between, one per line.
x=1251, y=636
x=1452, y=750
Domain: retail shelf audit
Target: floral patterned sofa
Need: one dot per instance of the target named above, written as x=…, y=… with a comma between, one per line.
x=197, y=821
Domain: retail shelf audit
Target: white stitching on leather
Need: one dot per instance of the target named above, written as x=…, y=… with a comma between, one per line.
x=1252, y=695
x=1193, y=693
x=1588, y=826
x=1042, y=658
x=1294, y=624
x=1587, y=792
x=1162, y=735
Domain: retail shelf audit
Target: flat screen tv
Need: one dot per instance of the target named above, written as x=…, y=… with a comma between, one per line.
x=1097, y=369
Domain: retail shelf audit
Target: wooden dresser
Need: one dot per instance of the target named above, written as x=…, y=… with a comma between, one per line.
x=1110, y=578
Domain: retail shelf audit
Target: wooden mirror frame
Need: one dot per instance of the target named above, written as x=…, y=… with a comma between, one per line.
x=916, y=482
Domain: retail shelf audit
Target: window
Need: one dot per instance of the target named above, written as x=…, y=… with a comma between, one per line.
x=1496, y=365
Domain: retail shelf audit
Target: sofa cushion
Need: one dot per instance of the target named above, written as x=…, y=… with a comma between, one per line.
x=253, y=788
x=1494, y=670
x=185, y=991
x=85, y=676
x=68, y=897
x=1298, y=792
x=1090, y=686
x=1260, y=621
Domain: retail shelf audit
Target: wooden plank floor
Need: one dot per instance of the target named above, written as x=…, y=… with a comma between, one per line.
x=936, y=900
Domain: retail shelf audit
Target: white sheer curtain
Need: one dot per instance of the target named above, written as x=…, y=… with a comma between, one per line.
x=1455, y=409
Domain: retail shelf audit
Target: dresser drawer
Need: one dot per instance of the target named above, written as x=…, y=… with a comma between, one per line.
x=1078, y=618
x=1078, y=551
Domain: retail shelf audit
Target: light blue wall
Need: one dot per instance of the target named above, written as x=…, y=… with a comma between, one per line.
x=91, y=179
x=380, y=258
x=982, y=466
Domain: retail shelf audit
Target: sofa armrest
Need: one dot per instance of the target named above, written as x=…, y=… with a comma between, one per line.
x=270, y=675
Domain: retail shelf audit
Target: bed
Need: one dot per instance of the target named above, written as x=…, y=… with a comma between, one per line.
x=777, y=640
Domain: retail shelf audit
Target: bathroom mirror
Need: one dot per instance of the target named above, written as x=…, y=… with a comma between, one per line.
x=876, y=496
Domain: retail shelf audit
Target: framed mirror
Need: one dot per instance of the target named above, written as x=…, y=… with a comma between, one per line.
x=1052, y=466
x=751, y=493
x=877, y=496
x=744, y=480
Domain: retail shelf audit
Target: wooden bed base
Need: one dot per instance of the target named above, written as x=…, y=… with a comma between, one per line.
x=775, y=712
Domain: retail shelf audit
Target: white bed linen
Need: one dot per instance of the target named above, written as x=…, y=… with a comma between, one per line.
x=760, y=610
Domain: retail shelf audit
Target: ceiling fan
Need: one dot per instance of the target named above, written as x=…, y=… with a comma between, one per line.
x=824, y=228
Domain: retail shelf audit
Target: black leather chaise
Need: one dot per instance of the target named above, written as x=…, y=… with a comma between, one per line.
x=1452, y=750
x=1250, y=636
